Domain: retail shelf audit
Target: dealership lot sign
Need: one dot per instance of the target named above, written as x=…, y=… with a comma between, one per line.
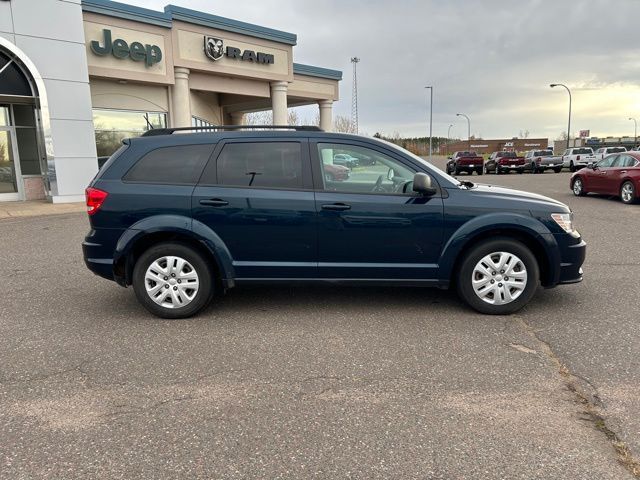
x=119, y=48
x=215, y=50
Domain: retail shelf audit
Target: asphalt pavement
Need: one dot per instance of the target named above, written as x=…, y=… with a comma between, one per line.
x=321, y=382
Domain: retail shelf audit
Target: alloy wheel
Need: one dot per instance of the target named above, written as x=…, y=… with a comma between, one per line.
x=577, y=187
x=499, y=278
x=171, y=282
x=627, y=193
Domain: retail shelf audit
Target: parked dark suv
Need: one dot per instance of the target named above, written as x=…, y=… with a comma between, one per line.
x=185, y=216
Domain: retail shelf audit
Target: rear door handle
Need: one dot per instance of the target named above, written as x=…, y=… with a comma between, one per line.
x=214, y=202
x=336, y=207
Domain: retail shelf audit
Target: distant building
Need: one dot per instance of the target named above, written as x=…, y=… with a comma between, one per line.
x=488, y=146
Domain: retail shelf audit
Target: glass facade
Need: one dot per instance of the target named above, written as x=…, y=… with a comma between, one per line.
x=112, y=126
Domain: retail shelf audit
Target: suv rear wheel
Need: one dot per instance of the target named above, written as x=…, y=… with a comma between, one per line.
x=172, y=280
x=498, y=276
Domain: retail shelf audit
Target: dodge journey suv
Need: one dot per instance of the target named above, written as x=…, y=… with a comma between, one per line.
x=184, y=216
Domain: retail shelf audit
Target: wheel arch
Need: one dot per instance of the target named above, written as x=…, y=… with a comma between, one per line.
x=527, y=230
x=167, y=228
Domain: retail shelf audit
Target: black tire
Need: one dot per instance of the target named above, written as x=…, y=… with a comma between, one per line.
x=482, y=249
x=200, y=265
x=534, y=168
x=457, y=171
x=447, y=169
x=520, y=170
x=479, y=172
x=577, y=187
x=628, y=184
x=498, y=171
x=557, y=170
x=572, y=167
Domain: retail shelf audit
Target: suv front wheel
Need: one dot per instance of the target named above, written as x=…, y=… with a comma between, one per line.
x=172, y=280
x=498, y=276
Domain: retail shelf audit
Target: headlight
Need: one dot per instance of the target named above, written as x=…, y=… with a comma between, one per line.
x=565, y=221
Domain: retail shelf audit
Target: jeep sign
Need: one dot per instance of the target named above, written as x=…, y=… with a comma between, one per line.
x=149, y=54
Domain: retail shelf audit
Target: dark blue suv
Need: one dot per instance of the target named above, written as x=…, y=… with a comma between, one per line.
x=185, y=216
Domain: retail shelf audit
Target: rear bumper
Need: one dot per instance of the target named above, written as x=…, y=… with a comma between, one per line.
x=102, y=267
x=98, y=249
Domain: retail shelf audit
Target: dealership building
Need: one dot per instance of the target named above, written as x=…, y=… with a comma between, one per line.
x=482, y=146
x=76, y=77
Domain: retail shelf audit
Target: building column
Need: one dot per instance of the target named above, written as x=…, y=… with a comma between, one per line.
x=326, y=115
x=181, y=98
x=279, y=102
x=237, y=118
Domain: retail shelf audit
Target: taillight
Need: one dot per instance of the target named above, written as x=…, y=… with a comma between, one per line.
x=95, y=198
x=539, y=159
x=578, y=158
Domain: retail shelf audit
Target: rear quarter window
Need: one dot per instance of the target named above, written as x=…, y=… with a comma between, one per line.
x=177, y=165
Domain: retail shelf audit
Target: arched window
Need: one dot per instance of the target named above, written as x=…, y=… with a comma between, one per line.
x=13, y=81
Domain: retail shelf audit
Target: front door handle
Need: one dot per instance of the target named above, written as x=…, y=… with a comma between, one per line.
x=338, y=207
x=623, y=171
x=214, y=202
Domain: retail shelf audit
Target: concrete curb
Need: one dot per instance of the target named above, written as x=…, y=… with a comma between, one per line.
x=38, y=208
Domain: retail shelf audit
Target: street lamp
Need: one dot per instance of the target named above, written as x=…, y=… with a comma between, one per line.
x=568, y=91
x=468, y=128
x=448, y=137
x=635, y=131
x=430, y=119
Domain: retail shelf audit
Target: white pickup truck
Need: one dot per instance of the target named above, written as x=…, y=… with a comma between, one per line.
x=577, y=157
x=604, y=151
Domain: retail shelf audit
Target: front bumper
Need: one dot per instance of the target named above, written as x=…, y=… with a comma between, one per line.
x=572, y=257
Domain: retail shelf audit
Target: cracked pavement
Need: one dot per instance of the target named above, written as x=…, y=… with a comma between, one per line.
x=318, y=381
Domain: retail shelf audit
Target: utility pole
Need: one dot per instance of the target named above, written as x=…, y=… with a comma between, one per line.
x=569, y=124
x=354, y=95
x=468, y=128
x=449, y=137
x=430, y=121
x=635, y=131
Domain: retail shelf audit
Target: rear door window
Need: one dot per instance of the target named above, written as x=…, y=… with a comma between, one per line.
x=258, y=165
x=178, y=165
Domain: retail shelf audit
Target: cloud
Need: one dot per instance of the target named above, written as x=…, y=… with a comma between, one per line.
x=492, y=59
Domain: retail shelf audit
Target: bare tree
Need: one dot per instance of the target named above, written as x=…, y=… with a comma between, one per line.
x=259, y=118
x=293, y=118
x=343, y=124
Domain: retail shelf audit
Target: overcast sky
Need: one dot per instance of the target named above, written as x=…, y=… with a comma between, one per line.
x=492, y=60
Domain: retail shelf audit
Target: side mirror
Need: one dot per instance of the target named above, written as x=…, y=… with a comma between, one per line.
x=449, y=157
x=592, y=165
x=422, y=184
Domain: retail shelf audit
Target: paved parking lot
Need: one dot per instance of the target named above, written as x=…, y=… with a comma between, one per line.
x=320, y=381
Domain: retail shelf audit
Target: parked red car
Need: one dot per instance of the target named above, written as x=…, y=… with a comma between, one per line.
x=615, y=174
x=336, y=173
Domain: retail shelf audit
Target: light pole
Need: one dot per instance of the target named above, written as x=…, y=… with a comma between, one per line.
x=448, y=137
x=468, y=128
x=635, y=131
x=569, y=92
x=430, y=119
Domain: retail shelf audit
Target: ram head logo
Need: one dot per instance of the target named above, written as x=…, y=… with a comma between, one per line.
x=213, y=47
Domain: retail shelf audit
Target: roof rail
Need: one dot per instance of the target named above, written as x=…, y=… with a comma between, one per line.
x=215, y=128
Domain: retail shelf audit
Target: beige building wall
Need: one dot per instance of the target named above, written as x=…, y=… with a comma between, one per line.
x=128, y=96
x=311, y=87
x=206, y=105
